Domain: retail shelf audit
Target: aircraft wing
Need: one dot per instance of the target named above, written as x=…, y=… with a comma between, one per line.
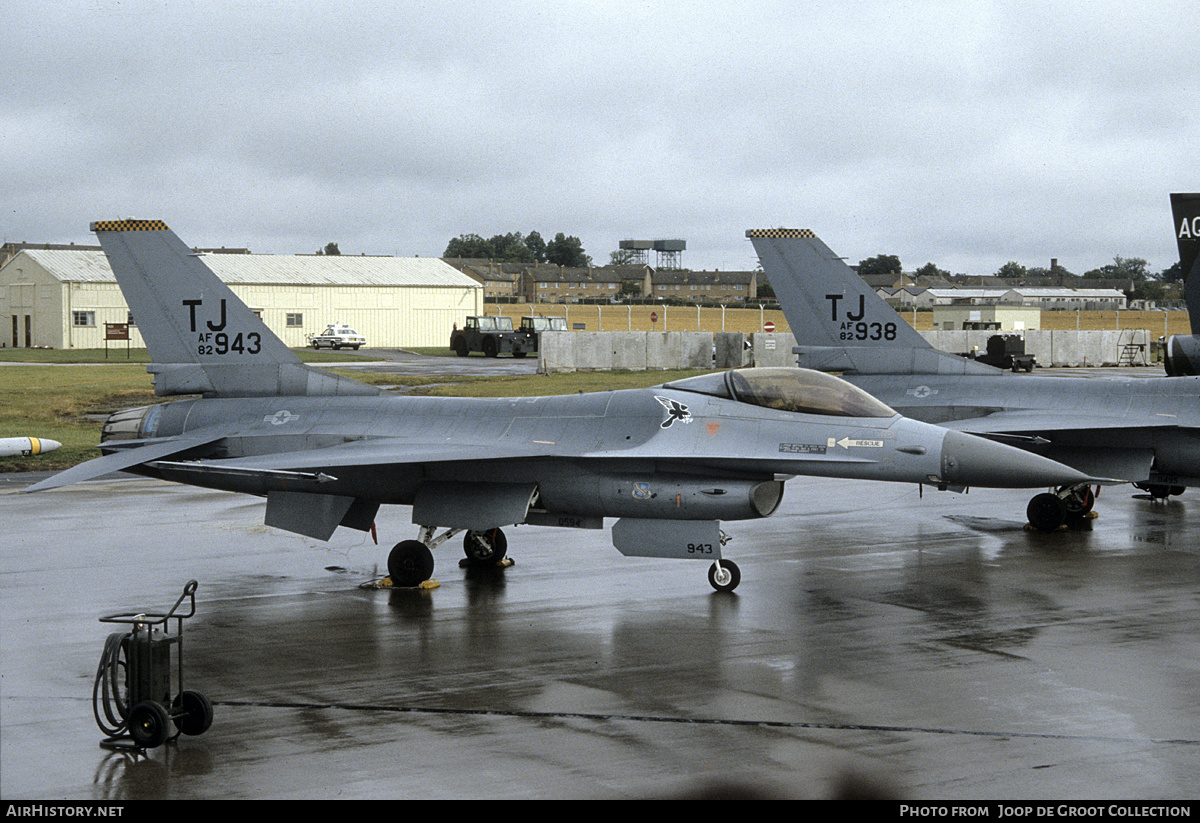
x=1036, y=430
x=1039, y=421
x=371, y=452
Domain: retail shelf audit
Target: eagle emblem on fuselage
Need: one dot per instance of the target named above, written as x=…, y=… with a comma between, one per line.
x=675, y=411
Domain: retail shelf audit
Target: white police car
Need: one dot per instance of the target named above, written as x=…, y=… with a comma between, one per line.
x=337, y=336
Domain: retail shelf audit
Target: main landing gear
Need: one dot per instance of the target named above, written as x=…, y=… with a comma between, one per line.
x=410, y=562
x=1050, y=511
x=1160, y=491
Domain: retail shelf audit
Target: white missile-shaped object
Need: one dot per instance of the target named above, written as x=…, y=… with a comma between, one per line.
x=26, y=446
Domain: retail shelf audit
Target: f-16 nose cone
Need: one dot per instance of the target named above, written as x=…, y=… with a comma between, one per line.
x=968, y=460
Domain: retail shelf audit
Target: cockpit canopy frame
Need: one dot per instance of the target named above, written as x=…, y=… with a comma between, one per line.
x=802, y=391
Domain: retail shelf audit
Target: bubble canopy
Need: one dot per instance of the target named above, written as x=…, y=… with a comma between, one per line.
x=787, y=389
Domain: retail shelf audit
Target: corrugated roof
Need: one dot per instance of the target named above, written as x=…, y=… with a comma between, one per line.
x=292, y=270
x=1041, y=291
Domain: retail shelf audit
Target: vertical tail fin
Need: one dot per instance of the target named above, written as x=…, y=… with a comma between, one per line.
x=1186, y=210
x=201, y=337
x=839, y=322
x=1181, y=356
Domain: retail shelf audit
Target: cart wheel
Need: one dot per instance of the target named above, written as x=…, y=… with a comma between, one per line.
x=148, y=724
x=193, y=712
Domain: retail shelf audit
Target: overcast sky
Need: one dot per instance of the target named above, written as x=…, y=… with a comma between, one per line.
x=960, y=133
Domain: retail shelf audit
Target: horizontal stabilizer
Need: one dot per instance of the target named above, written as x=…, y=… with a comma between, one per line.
x=864, y=360
x=129, y=457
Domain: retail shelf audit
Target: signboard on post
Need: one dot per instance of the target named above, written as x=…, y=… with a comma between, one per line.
x=116, y=331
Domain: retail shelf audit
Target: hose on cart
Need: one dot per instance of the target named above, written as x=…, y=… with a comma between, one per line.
x=107, y=690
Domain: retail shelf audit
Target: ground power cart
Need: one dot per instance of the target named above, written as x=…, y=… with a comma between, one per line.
x=138, y=694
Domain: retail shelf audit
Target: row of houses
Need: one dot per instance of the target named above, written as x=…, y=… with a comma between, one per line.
x=1045, y=298
x=532, y=283
x=553, y=284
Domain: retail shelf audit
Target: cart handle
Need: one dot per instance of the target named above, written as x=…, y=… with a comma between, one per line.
x=157, y=618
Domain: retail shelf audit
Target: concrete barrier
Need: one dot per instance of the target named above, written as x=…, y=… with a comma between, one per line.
x=1105, y=347
x=634, y=351
x=730, y=350
x=772, y=349
x=638, y=351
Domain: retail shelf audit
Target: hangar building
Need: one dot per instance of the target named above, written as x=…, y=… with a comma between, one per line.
x=62, y=298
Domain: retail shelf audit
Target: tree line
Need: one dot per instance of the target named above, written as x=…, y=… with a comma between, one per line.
x=1135, y=270
x=1122, y=268
x=514, y=247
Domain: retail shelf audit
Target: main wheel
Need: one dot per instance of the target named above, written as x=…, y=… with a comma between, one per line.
x=485, y=548
x=1046, y=512
x=1159, y=491
x=489, y=347
x=148, y=724
x=1080, y=501
x=724, y=577
x=410, y=563
x=460, y=347
x=193, y=712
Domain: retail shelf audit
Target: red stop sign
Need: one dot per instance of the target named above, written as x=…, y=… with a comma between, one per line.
x=768, y=326
x=653, y=317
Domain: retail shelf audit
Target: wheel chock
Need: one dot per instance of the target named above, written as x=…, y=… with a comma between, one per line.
x=386, y=583
x=502, y=563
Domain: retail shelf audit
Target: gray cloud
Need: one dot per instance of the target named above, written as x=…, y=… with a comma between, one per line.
x=966, y=134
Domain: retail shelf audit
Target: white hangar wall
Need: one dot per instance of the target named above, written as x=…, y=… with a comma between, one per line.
x=64, y=298
x=389, y=317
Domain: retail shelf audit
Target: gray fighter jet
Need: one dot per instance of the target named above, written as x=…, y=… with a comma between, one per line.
x=325, y=451
x=1138, y=430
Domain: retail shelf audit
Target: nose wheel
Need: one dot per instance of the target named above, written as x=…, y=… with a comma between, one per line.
x=724, y=575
